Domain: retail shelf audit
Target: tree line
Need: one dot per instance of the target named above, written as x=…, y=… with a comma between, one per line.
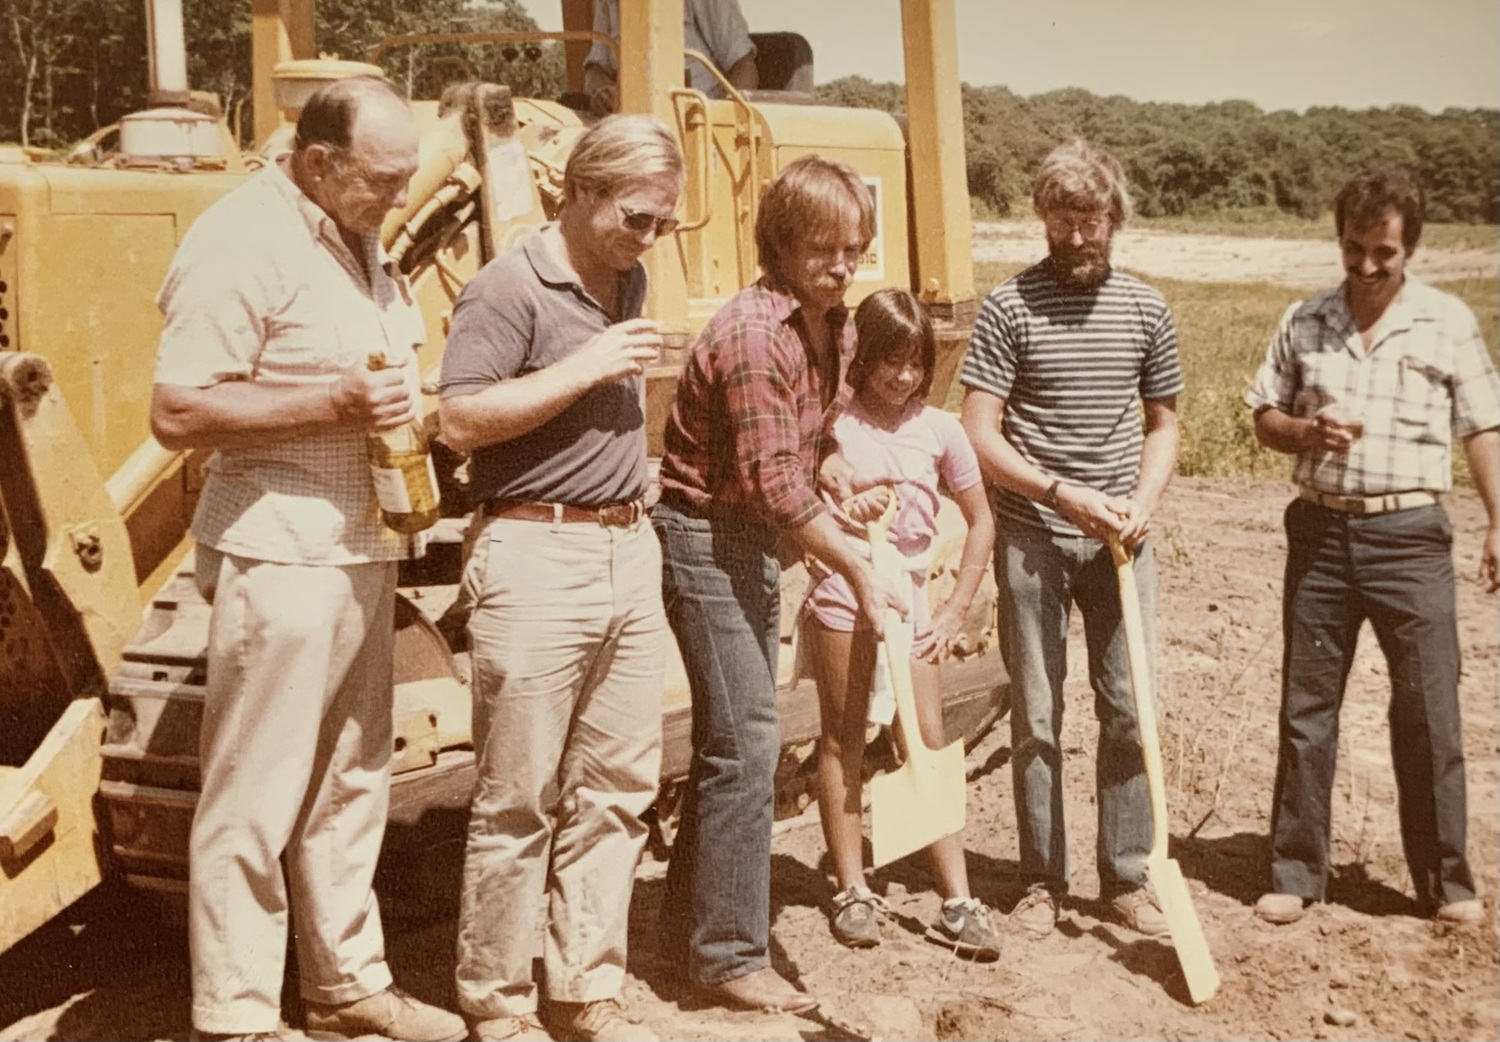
x=69, y=67
x=1223, y=158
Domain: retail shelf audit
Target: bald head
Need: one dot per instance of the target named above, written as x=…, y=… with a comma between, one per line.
x=355, y=151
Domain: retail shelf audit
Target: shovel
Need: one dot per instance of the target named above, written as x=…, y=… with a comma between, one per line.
x=1165, y=874
x=922, y=800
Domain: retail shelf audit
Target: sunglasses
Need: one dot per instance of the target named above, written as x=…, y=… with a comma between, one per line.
x=643, y=220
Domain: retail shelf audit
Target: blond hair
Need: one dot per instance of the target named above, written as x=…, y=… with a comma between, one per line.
x=619, y=151
x=810, y=199
x=1077, y=176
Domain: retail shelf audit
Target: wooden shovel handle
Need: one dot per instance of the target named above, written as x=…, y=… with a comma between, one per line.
x=1140, y=683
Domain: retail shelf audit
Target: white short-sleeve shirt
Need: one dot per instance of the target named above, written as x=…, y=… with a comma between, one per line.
x=263, y=288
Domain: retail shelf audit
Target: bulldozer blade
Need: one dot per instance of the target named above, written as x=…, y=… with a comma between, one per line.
x=1176, y=902
x=918, y=803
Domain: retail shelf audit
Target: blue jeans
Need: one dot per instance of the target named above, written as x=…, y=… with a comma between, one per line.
x=720, y=585
x=1395, y=569
x=1040, y=575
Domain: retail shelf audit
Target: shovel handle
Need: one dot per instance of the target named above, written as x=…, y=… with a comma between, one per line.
x=898, y=634
x=1140, y=683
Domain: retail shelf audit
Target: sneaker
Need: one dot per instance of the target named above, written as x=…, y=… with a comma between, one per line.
x=1139, y=911
x=525, y=1028
x=604, y=1020
x=856, y=915
x=1469, y=911
x=1036, y=912
x=963, y=925
x=391, y=1013
x=1280, y=908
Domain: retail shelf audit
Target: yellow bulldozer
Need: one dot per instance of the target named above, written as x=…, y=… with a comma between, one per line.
x=101, y=631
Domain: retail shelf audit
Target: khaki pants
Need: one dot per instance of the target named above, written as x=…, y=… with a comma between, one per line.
x=569, y=641
x=295, y=751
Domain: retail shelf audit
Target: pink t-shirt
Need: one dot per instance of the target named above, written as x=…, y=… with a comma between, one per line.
x=927, y=446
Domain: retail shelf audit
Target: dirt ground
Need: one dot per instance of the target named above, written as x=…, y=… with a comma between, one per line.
x=1361, y=966
x=1305, y=264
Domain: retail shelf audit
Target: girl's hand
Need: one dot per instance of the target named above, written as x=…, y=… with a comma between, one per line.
x=868, y=505
x=937, y=643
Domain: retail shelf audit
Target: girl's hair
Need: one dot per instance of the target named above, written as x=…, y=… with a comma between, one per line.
x=886, y=323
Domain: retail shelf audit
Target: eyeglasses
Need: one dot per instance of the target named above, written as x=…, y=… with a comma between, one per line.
x=642, y=220
x=1064, y=227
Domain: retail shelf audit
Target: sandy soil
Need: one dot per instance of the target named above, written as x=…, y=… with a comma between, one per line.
x=117, y=970
x=1305, y=264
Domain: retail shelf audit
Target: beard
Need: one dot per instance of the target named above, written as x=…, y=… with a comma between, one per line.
x=1080, y=267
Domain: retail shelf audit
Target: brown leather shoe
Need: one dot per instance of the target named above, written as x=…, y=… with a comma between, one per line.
x=1470, y=911
x=1280, y=908
x=604, y=1020
x=763, y=989
x=391, y=1014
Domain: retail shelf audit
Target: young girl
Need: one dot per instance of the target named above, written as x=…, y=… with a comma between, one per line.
x=891, y=439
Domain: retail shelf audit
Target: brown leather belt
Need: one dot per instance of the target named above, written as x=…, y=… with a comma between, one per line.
x=613, y=515
x=1368, y=504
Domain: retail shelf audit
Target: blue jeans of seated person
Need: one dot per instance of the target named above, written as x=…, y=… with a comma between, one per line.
x=721, y=588
x=1040, y=577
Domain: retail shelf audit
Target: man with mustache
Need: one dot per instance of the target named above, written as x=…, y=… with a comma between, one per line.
x=739, y=470
x=1071, y=386
x=1365, y=384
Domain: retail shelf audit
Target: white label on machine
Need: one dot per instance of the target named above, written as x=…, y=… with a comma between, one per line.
x=509, y=174
x=872, y=262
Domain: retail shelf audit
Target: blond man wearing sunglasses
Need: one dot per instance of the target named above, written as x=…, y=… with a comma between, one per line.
x=542, y=385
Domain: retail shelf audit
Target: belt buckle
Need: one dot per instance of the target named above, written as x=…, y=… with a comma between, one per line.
x=620, y=515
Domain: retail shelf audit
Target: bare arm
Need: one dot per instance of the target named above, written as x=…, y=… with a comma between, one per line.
x=1158, y=463
x=245, y=414
x=1483, y=453
x=1096, y=514
x=979, y=544
x=744, y=74
x=510, y=408
x=1327, y=430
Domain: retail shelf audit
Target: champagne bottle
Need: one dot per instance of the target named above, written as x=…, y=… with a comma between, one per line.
x=401, y=467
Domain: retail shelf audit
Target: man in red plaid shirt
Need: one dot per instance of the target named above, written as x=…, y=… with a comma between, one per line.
x=739, y=470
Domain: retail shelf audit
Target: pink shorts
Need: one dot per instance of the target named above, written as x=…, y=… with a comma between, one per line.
x=831, y=601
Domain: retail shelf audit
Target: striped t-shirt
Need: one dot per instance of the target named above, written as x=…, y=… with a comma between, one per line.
x=1073, y=366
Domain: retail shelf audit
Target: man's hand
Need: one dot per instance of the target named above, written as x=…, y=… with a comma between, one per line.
x=875, y=596
x=1137, y=524
x=372, y=399
x=1096, y=514
x=623, y=350
x=1489, y=560
x=836, y=477
x=1334, y=429
x=869, y=505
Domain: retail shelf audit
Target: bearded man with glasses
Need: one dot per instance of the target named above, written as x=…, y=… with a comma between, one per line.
x=1071, y=385
x=543, y=383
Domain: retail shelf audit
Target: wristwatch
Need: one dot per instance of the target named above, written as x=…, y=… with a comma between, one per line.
x=1049, y=498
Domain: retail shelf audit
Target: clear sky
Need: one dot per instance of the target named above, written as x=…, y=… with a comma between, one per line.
x=1279, y=54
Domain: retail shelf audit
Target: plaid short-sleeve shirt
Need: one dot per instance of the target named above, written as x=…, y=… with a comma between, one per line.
x=263, y=288
x=1427, y=377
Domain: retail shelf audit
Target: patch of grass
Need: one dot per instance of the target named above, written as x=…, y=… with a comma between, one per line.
x=1257, y=224
x=1222, y=333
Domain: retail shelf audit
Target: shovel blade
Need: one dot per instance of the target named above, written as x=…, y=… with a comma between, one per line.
x=1193, y=956
x=917, y=804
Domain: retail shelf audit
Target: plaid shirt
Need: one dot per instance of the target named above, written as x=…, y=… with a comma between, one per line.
x=1427, y=375
x=743, y=434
